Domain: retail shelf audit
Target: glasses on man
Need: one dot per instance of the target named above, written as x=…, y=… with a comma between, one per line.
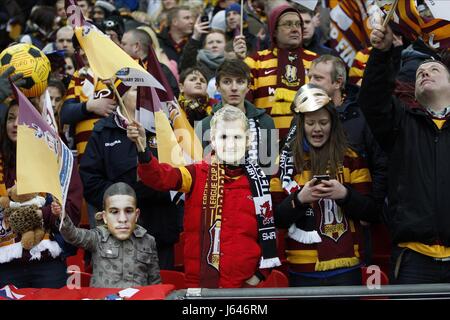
x=291, y=24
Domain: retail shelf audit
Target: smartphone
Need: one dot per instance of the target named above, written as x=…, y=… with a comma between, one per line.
x=321, y=177
x=204, y=19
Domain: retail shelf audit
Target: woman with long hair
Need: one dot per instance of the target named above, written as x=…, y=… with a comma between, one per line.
x=42, y=266
x=328, y=187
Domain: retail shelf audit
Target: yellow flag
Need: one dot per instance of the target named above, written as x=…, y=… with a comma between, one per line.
x=39, y=153
x=108, y=60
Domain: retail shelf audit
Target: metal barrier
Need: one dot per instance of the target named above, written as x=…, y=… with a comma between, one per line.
x=406, y=291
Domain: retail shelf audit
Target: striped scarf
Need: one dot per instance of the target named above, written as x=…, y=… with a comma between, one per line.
x=290, y=186
x=255, y=138
x=334, y=245
x=10, y=245
x=212, y=220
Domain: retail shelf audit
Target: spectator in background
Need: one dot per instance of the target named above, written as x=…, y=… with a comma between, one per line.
x=63, y=40
x=86, y=8
x=233, y=26
x=159, y=18
x=41, y=26
x=228, y=54
x=102, y=10
x=277, y=73
x=61, y=10
x=114, y=28
x=175, y=36
x=136, y=43
x=205, y=49
x=311, y=38
x=193, y=98
x=56, y=91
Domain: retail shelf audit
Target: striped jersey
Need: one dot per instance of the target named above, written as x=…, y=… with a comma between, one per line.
x=263, y=90
x=81, y=89
x=304, y=257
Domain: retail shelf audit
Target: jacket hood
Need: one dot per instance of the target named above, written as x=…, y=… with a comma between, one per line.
x=411, y=53
x=351, y=96
x=275, y=15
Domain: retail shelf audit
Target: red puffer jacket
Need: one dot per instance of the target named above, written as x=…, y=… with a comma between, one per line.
x=239, y=248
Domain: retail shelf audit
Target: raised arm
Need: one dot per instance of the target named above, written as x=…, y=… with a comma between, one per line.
x=78, y=237
x=383, y=112
x=159, y=176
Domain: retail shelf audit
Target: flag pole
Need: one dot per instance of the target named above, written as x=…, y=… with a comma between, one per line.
x=123, y=109
x=242, y=17
x=390, y=14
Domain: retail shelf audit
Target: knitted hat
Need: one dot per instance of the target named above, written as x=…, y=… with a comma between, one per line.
x=235, y=7
x=114, y=23
x=106, y=6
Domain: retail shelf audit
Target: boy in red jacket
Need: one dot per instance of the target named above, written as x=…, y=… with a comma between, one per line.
x=228, y=222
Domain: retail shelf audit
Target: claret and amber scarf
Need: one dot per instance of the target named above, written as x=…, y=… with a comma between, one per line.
x=212, y=218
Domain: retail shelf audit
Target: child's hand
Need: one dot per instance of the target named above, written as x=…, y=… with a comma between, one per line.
x=136, y=133
x=56, y=208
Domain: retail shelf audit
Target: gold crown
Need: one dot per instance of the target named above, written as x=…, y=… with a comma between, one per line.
x=310, y=99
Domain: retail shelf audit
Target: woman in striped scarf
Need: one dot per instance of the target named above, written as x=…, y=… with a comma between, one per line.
x=325, y=186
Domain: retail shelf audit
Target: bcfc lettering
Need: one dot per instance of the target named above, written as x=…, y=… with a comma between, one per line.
x=269, y=236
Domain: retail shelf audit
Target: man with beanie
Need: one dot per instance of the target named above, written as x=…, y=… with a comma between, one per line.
x=233, y=27
x=278, y=72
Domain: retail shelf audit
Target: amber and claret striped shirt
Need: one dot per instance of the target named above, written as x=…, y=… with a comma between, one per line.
x=75, y=94
x=264, y=68
x=304, y=257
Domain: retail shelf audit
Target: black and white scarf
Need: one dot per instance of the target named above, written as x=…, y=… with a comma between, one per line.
x=212, y=220
x=255, y=139
x=290, y=185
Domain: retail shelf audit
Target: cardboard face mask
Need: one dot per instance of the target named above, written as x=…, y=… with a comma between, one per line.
x=121, y=215
x=229, y=141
